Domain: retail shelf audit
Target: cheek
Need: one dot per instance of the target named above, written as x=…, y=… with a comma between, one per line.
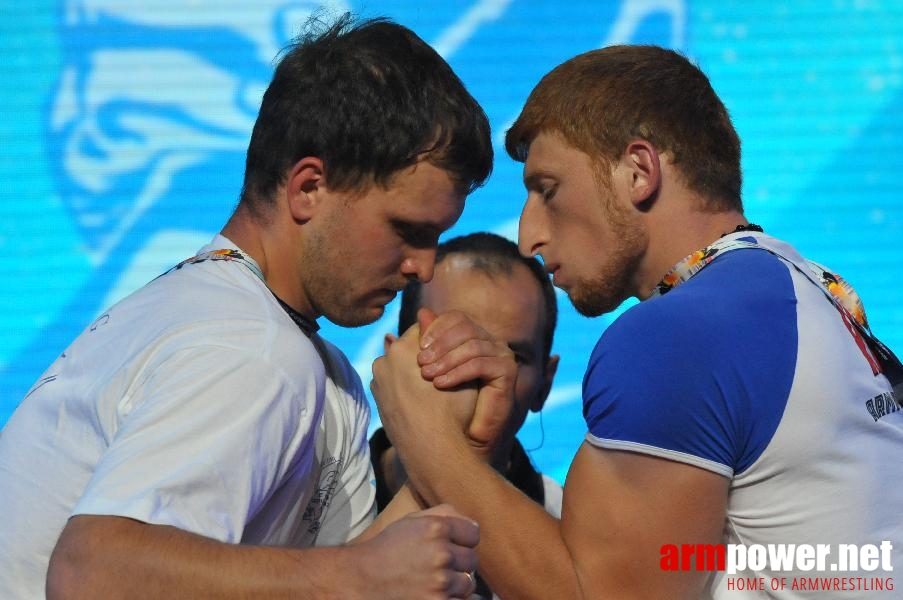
x=573, y=235
x=375, y=250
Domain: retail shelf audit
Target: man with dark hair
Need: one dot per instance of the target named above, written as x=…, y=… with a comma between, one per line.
x=511, y=297
x=743, y=403
x=200, y=438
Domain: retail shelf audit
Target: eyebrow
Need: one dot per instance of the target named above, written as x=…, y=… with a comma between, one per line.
x=532, y=180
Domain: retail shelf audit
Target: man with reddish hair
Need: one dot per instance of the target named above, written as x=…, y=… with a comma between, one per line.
x=730, y=406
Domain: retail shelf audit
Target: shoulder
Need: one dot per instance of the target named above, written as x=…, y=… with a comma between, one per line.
x=703, y=370
x=743, y=300
x=207, y=321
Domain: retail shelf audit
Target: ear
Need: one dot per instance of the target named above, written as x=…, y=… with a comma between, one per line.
x=642, y=161
x=304, y=186
x=548, y=377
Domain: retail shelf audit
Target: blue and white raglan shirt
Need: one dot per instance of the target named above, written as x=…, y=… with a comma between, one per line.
x=747, y=369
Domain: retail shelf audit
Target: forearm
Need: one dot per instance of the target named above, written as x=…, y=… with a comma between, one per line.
x=521, y=552
x=108, y=557
x=403, y=503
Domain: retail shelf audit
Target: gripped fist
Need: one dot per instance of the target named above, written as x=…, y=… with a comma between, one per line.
x=425, y=555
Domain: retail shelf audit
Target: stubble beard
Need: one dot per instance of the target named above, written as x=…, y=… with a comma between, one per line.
x=328, y=279
x=604, y=293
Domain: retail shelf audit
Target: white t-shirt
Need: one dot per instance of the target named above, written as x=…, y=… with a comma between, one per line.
x=196, y=402
x=553, y=496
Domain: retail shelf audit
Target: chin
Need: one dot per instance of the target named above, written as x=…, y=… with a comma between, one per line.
x=595, y=303
x=356, y=318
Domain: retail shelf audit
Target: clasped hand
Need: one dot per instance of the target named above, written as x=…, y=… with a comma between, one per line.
x=445, y=379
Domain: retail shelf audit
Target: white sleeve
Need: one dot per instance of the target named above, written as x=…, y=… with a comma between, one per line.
x=203, y=440
x=553, y=496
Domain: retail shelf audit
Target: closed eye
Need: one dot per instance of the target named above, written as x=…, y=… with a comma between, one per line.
x=542, y=183
x=548, y=192
x=416, y=235
x=523, y=354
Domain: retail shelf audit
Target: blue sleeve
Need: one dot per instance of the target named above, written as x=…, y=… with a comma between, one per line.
x=702, y=374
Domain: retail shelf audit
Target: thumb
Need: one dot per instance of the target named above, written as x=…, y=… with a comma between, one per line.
x=490, y=417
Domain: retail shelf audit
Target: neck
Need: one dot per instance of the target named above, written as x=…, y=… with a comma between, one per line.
x=272, y=249
x=239, y=229
x=674, y=238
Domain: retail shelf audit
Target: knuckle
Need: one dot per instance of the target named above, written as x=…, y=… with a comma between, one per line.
x=435, y=528
x=443, y=557
x=462, y=372
x=443, y=580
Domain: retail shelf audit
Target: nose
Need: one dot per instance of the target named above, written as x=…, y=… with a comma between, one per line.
x=530, y=237
x=419, y=264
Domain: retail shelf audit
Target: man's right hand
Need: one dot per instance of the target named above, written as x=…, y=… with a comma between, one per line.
x=427, y=554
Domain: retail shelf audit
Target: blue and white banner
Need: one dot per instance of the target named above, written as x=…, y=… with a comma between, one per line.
x=124, y=126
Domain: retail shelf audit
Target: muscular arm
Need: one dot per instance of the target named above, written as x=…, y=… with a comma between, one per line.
x=423, y=555
x=619, y=508
x=110, y=557
x=522, y=553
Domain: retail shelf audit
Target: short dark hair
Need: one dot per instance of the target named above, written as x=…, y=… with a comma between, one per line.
x=368, y=98
x=600, y=100
x=491, y=254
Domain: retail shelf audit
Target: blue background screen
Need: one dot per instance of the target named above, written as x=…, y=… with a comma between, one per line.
x=124, y=127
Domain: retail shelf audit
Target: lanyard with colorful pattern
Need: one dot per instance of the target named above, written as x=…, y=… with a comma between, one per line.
x=835, y=288
x=232, y=254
